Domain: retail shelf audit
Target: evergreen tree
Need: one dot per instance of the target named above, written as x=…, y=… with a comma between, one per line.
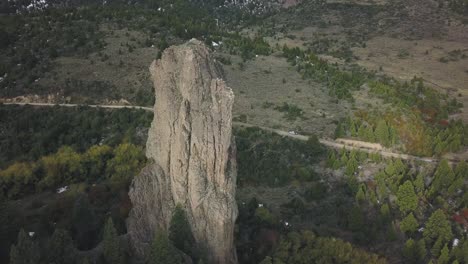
x=351, y=166
x=385, y=213
x=461, y=171
x=414, y=252
x=361, y=194
x=437, y=226
x=362, y=132
x=390, y=169
x=352, y=128
x=267, y=260
x=421, y=250
x=381, y=186
x=344, y=157
x=112, y=250
x=331, y=158
x=407, y=199
x=339, y=131
x=419, y=183
x=436, y=248
x=443, y=177
x=60, y=248
x=392, y=136
x=355, y=219
x=180, y=232
x=382, y=133
x=25, y=251
x=409, y=224
x=409, y=251
x=460, y=252
x=370, y=136
x=400, y=167
x=456, y=185
x=444, y=256
x=84, y=223
x=162, y=251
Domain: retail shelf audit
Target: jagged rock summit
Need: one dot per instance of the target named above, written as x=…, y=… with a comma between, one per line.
x=192, y=153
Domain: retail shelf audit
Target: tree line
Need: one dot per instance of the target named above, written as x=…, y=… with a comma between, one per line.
x=416, y=201
x=66, y=166
x=63, y=248
x=28, y=132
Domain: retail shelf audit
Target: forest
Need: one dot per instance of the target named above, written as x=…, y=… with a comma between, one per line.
x=65, y=172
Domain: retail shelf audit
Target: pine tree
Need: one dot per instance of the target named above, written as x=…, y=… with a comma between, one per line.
x=162, y=251
x=409, y=224
x=400, y=167
x=370, y=136
x=362, y=132
x=390, y=169
x=361, y=195
x=444, y=256
x=443, y=177
x=60, y=248
x=339, y=131
x=414, y=252
x=25, y=251
x=331, y=158
x=435, y=250
x=112, y=250
x=392, y=136
x=461, y=171
x=438, y=227
x=419, y=183
x=381, y=186
x=84, y=222
x=385, y=213
x=421, y=250
x=456, y=185
x=344, y=157
x=267, y=260
x=180, y=232
x=409, y=251
x=351, y=166
x=382, y=133
x=352, y=128
x=407, y=198
x=460, y=252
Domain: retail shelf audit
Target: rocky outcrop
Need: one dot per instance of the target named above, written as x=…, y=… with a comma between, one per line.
x=193, y=158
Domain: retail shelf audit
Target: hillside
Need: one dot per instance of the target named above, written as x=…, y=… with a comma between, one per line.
x=388, y=74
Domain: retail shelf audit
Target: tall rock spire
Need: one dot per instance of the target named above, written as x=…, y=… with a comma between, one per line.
x=192, y=155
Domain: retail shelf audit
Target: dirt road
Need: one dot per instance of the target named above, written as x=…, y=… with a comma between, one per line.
x=76, y=105
x=326, y=142
x=336, y=145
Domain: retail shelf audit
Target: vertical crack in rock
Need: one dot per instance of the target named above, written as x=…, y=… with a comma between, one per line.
x=192, y=153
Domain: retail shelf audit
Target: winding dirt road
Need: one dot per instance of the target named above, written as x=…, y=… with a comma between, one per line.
x=150, y=109
x=326, y=142
x=336, y=145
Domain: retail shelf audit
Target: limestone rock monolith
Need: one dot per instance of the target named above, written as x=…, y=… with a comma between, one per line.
x=192, y=155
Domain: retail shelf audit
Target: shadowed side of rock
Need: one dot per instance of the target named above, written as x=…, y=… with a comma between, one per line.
x=193, y=156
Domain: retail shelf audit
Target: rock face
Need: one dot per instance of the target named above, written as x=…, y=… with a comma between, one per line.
x=193, y=156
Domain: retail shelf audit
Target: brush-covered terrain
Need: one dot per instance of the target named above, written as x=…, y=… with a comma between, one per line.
x=393, y=73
